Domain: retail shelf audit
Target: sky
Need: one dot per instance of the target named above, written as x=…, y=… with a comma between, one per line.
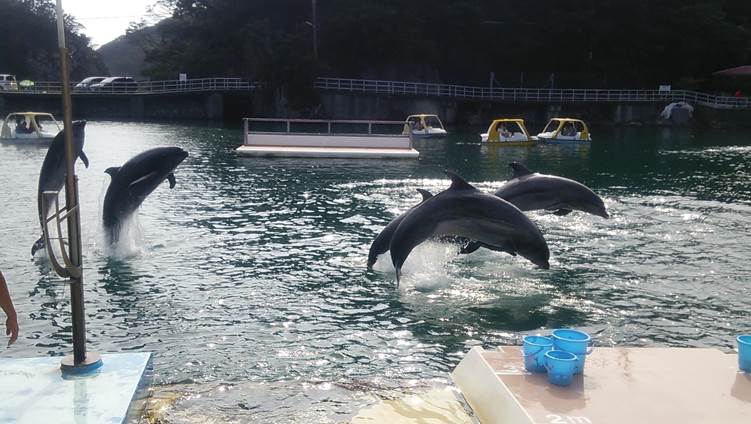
x=105, y=20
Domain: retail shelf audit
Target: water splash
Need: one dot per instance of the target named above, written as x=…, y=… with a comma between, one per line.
x=130, y=241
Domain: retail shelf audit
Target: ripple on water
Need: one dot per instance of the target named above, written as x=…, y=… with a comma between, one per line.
x=248, y=279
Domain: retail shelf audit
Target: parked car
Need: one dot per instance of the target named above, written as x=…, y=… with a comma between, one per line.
x=86, y=83
x=116, y=84
x=8, y=82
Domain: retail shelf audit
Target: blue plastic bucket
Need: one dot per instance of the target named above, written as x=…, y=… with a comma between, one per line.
x=534, y=350
x=560, y=365
x=573, y=341
x=744, y=353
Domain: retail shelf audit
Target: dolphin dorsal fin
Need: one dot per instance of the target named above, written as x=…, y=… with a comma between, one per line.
x=518, y=169
x=458, y=183
x=425, y=194
x=112, y=171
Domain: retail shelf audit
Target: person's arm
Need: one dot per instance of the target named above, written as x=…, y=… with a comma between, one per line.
x=11, y=323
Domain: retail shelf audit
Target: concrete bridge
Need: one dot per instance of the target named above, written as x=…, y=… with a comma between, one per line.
x=230, y=98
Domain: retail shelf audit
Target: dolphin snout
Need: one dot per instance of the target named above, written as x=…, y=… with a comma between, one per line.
x=542, y=261
x=601, y=212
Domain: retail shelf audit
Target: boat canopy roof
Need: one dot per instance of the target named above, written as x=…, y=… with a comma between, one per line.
x=424, y=120
x=516, y=120
x=502, y=128
x=29, y=115
x=571, y=120
x=566, y=127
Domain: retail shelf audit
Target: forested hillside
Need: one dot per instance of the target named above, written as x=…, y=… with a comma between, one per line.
x=593, y=42
x=29, y=48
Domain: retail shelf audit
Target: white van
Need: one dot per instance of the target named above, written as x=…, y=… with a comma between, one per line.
x=8, y=82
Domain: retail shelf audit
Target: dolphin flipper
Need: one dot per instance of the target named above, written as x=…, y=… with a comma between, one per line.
x=171, y=179
x=38, y=245
x=84, y=158
x=506, y=248
x=472, y=246
x=562, y=212
x=469, y=247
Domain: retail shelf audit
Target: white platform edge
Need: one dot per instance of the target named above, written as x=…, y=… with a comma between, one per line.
x=489, y=398
x=46, y=370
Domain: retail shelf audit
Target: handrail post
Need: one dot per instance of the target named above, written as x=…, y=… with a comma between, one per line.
x=80, y=360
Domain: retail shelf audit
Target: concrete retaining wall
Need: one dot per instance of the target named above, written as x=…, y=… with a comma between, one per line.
x=232, y=107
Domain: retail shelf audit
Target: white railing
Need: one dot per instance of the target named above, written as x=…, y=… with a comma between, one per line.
x=531, y=95
x=146, y=87
x=406, y=88
x=320, y=133
x=322, y=126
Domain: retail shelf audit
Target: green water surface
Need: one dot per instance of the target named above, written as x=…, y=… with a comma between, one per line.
x=248, y=279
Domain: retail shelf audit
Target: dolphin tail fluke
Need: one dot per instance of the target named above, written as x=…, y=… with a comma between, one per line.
x=171, y=179
x=38, y=245
x=398, y=276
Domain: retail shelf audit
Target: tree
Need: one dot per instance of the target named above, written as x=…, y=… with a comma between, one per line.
x=29, y=49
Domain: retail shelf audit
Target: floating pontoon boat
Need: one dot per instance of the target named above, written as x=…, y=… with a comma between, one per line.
x=565, y=130
x=508, y=132
x=313, y=138
x=425, y=126
x=29, y=127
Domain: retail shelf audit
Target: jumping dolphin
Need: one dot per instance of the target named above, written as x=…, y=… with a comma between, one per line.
x=383, y=239
x=464, y=211
x=52, y=174
x=532, y=191
x=135, y=180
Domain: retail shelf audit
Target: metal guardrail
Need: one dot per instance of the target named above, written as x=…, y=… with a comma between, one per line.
x=146, y=87
x=558, y=95
x=406, y=88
